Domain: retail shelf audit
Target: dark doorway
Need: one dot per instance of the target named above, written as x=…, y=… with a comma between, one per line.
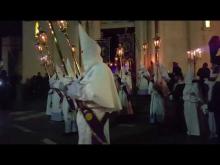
x=113, y=34
x=125, y=36
x=10, y=29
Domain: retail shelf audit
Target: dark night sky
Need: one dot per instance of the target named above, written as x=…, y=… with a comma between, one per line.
x=10, y=28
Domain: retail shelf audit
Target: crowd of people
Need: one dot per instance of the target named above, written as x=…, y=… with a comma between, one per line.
x=36, y=87
x=8, y=89
x=192, y=100
x=84, y=102
x=189, y=102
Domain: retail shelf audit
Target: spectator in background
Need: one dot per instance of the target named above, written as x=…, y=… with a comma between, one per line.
x=45, y=84
x=33, y=86
x=215, y=103
x=39, y=84
x=204, y=72
x=177, y=71
x=4, y=89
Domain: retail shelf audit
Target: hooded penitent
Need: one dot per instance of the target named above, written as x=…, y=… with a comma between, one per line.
x=143, y=76
x=191, y=99
x=189, y=76
x=161, y=78
x=98, y=83
x=59, y=72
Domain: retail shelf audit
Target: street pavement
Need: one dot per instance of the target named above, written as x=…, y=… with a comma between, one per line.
x=28, y=124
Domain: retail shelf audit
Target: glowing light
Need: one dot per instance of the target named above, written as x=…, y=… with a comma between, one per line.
x=62, y=25
x=207, y=24
x=39, y=47
x=157, y=42
x=42, y=38
x=116, y=58
x=111, y=64
x=120, y=50
x=73, y=49
x=36, y=31
x=44, y=58
x=145, y=46
x=197, y=53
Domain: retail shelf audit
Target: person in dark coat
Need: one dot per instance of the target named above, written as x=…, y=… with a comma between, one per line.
x=178, y=110
x=204, y=72
x=4, y=89
x=177, y=71
x=215, y=103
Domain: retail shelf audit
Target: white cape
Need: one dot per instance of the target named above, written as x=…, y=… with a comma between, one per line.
x=97, y=86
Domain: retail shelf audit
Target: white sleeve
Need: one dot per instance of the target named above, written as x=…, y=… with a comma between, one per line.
x=79, y=91
x=150, y=89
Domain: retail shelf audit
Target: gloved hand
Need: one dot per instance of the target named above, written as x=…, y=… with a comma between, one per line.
x=204, y=108
x=73, y=88
x=171, y=97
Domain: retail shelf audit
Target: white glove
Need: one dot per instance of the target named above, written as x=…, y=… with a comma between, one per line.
x=73, y=89
x=204, y=108
x=171, y=97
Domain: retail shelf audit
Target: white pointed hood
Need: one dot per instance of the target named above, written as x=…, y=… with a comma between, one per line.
x=52, y=80
x=189, y=76
x=91, y=51
x=162, y=73
x=69, y=69
x=143, y=71
x=97, y=84
x=59, y=72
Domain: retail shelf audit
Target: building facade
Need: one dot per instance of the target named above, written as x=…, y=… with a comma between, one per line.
x=177, y=37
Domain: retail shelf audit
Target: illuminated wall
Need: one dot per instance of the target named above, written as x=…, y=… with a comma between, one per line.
x=30, y=61
x=179, y=36
x=176, y=38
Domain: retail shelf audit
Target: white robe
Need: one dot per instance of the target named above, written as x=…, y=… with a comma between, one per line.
x=98, y=88
x=56, y=113
x=68, y=115
x=49, y=102
x=127, y=80
x=123, y=97
x=54, y=108
x=191, y=100
x=157, y=111
x=143, y=83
